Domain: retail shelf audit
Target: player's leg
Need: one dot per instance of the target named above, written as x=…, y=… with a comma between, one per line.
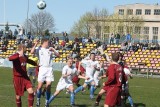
x=130, y=100
x=48, y=90
x=18, y=101
x=30, y=97
x=72, y=96
x=39, y=90
x=108, y=106
x=92, y=89
x=129, y=96
x=41, y=79
x=53, y=96
x=60, y=86
x=80, y=88
x=99, y=96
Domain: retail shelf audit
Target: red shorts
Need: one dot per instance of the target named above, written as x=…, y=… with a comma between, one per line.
x=105, y=88
x=113, y=96
x=21, y=84
x=75, y=79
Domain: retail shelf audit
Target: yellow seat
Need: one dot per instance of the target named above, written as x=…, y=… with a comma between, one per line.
x=148, y=65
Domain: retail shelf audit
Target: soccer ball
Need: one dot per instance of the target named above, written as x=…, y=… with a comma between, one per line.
x=41, y=5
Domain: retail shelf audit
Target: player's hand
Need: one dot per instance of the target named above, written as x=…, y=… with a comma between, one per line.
x=99, y=78
x=104, y=84
x=79, y=70
x=36, y=42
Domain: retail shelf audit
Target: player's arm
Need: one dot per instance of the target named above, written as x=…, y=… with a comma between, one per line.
x=13, y=57
x=55, y=52
x=97, y=67
x=34, y=47
x=83, y=77
x=31, y=62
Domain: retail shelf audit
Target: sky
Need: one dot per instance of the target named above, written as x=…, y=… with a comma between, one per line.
x=65, y=12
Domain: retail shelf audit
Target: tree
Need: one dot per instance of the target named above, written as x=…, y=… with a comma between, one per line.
x=39, y=23
x=84, y=24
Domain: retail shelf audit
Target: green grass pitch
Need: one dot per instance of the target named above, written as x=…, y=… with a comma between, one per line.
x=145, y=93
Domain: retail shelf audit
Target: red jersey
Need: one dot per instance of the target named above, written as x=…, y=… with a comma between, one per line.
x=115, y=75
x=81, y=67
x=19, y=64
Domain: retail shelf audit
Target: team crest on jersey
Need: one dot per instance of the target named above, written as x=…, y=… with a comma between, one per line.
x=23, y=64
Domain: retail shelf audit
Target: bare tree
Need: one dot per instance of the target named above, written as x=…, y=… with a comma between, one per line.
x=39, y=22
x=85, y=24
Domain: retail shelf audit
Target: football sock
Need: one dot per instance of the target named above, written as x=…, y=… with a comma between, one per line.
x=51, y=99
x=130, y=100
x=18, y=102
x=39, y=93
x=92, y=90
x=72, y=98
x=47, y=95
x=78, y=89
x=98, y=99
x=30, y=99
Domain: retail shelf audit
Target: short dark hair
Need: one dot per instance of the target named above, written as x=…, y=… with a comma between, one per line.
x=115, y=57
x=44, y=40
x=92, y=53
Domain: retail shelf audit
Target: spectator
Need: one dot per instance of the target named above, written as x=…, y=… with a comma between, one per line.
x=117, y=37
x=111, y=39
x=128, y=37
x=90, y=40
x=76, y=39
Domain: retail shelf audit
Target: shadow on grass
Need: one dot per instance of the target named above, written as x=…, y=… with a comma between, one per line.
x=136, y=105
x=82, y=105
x=140, y=105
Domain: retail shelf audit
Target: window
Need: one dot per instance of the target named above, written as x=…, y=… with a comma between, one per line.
x=137, y=30
x=129, y=29
x=146, y=30
x=156, y=11
x=147, y=12
x=121, y=11
x=155, y=39
x=107, y=29
x=155, y=30
x=120, y=29
x=138, y=11
x=130, y=11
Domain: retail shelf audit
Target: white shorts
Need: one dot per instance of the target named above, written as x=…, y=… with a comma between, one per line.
x=45, y=74
x=89, y=81
x=96, y=80
x=62, y=85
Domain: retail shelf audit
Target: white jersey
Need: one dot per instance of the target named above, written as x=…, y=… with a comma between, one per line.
x=45, y=57
x=99, y=73
x=68, y=70
x=90, y=67
x=127, y=73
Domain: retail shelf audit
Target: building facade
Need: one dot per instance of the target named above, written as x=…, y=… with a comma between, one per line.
x=150, y=15
x=146, y=27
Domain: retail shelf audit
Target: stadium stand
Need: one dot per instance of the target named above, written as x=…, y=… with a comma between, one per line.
x=141, y=60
